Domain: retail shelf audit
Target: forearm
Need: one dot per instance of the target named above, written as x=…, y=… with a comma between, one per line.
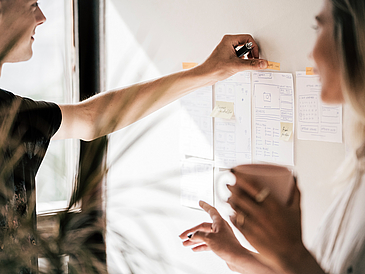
x=301, y=263
x=116, y=109
x=248, y=262
x=113, y=110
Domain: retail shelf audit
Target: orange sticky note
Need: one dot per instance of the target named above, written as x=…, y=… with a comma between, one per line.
x=273, y=65
x=189, y=65
x=309, y=71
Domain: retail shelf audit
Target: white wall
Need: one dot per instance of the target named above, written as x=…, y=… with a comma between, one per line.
x=147, y=39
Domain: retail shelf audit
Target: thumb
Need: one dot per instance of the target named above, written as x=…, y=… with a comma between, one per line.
x=253, y=64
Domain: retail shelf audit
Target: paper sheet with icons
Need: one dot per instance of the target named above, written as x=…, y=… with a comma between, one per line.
x=317, y=121
x=273, y=117
x=196, y=131
x=232, y=137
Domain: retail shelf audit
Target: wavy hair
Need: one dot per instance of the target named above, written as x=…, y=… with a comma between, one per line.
x=349, y=33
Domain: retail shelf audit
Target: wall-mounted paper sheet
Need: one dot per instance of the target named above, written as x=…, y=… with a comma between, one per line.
x=196, y=182
x=232, y=138
x=317, y=121
x=196, y=131
x=273, y=104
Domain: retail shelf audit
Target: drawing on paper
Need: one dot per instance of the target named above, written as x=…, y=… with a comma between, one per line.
x=267, y=96
x=317, y=120
x=308, y=108
x=273, y=117
x=232, y=143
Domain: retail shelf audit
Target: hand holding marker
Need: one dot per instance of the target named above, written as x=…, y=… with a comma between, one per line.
x=244, y=49
x=241, y=51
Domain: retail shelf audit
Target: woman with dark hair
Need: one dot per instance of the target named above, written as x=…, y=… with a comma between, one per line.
x=274, y=230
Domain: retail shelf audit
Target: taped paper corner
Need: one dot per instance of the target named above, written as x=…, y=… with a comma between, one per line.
x=189, y=65
x=273, y=65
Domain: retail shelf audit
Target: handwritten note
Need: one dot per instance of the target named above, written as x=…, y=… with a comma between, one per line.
x=317, y=121
x=273, y=107
x=273, y=65
x=232, y=138
x=286, y=131
x=224, y=110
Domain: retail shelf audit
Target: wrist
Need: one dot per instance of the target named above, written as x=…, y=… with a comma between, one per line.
x=301, y=261
x=210, y=75
x=238, y=257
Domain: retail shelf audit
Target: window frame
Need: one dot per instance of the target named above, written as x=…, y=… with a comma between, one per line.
x=88, y=79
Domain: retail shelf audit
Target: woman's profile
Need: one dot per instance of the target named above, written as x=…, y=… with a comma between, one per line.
x=275, y=230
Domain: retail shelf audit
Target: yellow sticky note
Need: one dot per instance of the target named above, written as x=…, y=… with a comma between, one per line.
x=223, y=110
x=273, y=65
x=286, y=131
x=189, y=65
x=309, y=71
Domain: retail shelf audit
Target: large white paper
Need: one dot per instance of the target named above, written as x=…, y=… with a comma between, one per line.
x=196, y=134
x=232, y=138
x=317, y=121
x=273, y=107
x=196, y=182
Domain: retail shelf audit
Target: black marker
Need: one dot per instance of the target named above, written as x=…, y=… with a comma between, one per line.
x=244, y=49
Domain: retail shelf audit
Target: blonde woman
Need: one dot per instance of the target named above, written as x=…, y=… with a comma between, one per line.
x=275, y=230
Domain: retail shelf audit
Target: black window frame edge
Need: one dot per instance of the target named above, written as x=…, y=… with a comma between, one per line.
x=91, y=40
x=89, y=78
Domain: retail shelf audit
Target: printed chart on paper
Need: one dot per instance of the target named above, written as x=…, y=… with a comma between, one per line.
x=317, y=121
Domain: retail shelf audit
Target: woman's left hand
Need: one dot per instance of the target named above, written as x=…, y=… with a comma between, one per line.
x=217, y=236
x=273, y=229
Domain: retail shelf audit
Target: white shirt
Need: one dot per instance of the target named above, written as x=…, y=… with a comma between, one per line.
x=340, y=243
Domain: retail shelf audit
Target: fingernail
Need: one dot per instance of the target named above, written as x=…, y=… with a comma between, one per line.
x=262, y=64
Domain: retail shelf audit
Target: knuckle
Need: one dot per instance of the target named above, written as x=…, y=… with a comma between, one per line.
x=253, y=63
x=225, y=37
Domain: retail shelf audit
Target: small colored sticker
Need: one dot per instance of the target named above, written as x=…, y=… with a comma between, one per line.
x=309, y=71
x=189, y=65
x=273, y=65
